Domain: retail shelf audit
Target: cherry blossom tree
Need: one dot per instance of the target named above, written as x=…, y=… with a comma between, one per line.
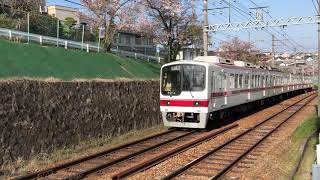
x=106, y=14
x=167, y=20
x=239, y=50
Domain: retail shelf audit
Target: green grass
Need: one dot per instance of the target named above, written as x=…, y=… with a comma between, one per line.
x=306, y=128
x=307, y=161
x=35, y=61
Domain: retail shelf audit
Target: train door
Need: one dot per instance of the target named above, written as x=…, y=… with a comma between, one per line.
x=213, y=89
x=263, y=84
x=224, y=87
x=247, y=84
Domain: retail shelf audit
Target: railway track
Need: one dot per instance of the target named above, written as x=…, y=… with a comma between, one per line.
x=130, y=153
x=128, y=159
x=218, y=161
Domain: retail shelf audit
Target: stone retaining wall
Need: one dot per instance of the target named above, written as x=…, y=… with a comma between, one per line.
x=39, y=116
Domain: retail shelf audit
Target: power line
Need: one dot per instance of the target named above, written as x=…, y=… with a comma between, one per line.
x=315, y=7
x=290, y=39
x=249, y=16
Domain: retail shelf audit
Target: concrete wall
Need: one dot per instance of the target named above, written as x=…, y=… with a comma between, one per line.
x=38, y=116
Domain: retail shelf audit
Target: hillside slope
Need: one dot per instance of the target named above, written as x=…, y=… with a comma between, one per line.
x=34, y=61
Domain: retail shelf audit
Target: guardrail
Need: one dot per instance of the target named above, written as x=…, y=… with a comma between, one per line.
x=20, y=35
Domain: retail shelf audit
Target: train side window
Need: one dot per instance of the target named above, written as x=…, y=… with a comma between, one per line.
x=219, y=81
x=252, y=81
x=224, y=81
x=212, y=80
x=240, y=81
x=231, y=81
x=236, y=81
x=246, y=81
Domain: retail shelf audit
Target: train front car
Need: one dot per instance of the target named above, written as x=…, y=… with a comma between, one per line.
x=184, y=94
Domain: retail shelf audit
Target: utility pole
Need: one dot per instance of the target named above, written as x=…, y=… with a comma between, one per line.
x=229, y=11
x=28, y=19
x=249, y=40
x=205, y=27
x=318, y=63
x=193, y=23
x=58, y=31
x=273, y=49
x=259, y=12
x=193, y=11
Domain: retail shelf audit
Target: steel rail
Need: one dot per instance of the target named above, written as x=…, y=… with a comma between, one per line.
x=151, y=162
x=54, y=169
x=224, y=170
x=194, y=162
x=82, y=174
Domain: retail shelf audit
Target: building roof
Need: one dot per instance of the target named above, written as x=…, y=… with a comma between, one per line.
x=65, y=8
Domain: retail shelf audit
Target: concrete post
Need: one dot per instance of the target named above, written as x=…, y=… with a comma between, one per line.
x=10, y=35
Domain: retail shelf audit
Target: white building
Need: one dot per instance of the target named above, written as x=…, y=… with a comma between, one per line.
x=62, y=12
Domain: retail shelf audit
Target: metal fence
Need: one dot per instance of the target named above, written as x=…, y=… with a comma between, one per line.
x=44, y=29
x=20, y=36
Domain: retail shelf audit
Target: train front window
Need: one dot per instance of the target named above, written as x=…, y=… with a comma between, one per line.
x=171, y=80
x=193, y=77
x=177, y=78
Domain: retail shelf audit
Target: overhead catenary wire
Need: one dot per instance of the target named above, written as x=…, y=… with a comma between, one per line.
x=249, y=16
x=314, y=5
x=291, y=40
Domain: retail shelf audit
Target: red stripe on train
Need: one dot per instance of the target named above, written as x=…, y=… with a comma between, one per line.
x=185, y=103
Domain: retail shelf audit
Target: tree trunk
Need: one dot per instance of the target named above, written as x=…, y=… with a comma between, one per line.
x=169, y=58
x=110, y=31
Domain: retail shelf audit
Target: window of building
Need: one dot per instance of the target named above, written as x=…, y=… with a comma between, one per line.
x=128, y=40
x=138, y=41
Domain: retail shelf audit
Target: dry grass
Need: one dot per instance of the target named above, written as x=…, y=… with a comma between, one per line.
x=43, y=160
x=304, y=171
x=52, y=79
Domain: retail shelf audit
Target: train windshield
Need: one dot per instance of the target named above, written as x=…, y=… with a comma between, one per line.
x=177, y=78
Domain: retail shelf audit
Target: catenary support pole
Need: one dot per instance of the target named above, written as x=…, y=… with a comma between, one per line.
x=318, y=82
x=205, y=27
x=28, y=19
x=82, y=38
x=58, y=31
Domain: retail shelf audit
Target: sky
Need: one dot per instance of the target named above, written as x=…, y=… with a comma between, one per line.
x=301, y=37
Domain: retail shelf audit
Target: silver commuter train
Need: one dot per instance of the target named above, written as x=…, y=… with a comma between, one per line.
x=192, y=90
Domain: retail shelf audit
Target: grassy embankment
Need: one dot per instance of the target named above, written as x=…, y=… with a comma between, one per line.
x=299, y=135
x=35, y=61
x=288, y=155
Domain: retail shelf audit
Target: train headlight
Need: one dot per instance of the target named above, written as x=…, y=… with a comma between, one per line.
x=196, y=103
x=165, y=103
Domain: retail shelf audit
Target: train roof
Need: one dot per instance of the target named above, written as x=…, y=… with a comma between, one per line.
x=226, y=63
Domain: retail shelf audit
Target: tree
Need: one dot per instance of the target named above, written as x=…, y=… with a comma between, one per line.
x=239, y=50
x=104, y=13
x=25, y=5
x=69, y=22
x=167, y=20
x=195, y=35
x=68, y=30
